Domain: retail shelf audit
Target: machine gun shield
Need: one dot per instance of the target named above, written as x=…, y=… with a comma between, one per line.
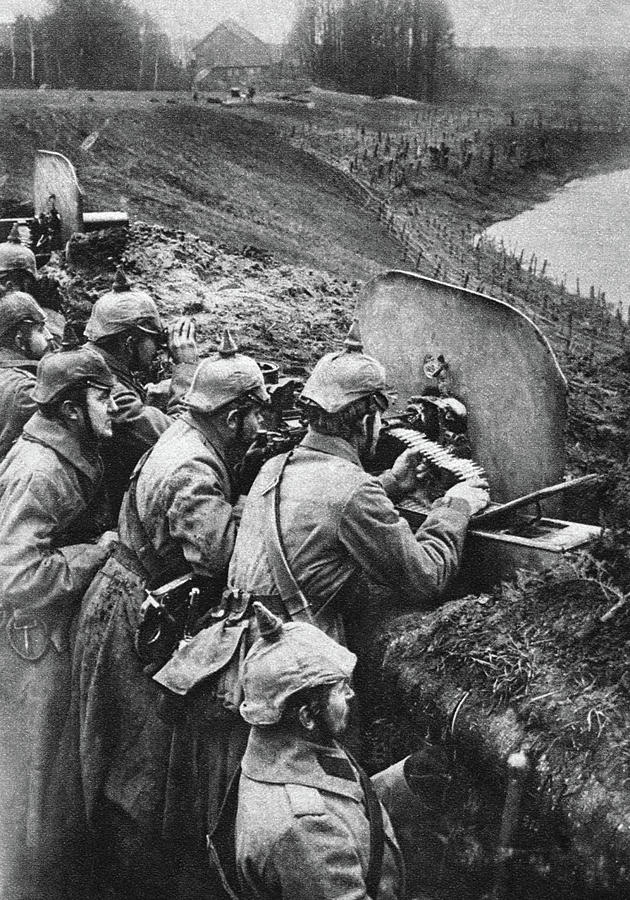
x=496, y=361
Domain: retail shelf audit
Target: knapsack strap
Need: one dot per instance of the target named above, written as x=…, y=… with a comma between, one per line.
x=222, y=841
x=377, y=831
x=295, y=601
x=143, y=549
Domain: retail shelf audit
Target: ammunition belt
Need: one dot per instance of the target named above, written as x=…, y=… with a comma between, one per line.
x=437, y=455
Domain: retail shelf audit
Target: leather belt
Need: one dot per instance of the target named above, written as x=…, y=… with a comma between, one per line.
x=238, y=604
x=127, y=558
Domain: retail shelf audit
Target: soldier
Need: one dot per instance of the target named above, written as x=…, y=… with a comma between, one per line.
x=308, y=825
x=125, y=327
x=24, y=338
x=18, y=267
x=335, y=521
x=46, y=483
x=138, y=766
x=18, y=272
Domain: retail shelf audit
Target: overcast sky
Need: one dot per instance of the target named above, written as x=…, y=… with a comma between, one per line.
x=498, y=22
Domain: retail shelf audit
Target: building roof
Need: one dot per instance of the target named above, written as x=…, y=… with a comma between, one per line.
x=229, y=44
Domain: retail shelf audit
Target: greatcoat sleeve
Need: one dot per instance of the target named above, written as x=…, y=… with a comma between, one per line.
x=140, y=424
x=34, y=572
x=201, y=520
x=418, y=566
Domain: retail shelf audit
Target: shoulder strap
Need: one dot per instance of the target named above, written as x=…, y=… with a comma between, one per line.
x=293, y=598
x=147, y=556
x=222, y=841
x=377, y=832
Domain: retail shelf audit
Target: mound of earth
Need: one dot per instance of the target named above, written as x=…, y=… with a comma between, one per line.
x=289, y=314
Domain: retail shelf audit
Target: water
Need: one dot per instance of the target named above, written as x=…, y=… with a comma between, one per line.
x=583, y=232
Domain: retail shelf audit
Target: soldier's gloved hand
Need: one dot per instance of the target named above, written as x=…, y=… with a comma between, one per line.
x=107, y=541
x=182, y=346
x=474, y=492
x=408, y=469
x=251, y=464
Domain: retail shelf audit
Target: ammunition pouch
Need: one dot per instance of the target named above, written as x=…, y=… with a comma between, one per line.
x=172, y=613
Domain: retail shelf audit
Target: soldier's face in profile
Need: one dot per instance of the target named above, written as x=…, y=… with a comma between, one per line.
x=40, y=340
x=371, y=427
x=336, y=715
x=147, y=349
x=100, y=406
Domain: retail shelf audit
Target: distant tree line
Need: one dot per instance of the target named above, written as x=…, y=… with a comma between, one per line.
x=89, y=44
x=377, y=47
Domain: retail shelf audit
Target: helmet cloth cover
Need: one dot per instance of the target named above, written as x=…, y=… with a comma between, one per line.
x=18, y=307
x=56, y=372
x=122, y=309
x=296, y=656
x=14, y=256
x=225, y=377
x=345, y=376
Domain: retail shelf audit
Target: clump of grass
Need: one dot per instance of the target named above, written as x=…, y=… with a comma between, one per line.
x=510, y=665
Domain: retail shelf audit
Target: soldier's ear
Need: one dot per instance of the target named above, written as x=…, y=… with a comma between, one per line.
x=70, y=410
x=232, y=420
x=20, y=340
x=306, y=719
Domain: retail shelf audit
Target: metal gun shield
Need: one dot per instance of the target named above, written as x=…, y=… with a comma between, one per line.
x=499, y=365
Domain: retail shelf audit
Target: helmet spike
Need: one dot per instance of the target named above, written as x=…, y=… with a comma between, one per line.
x=354, y=342
x=120, y=282
x=14, y=235
x=269, y=625
x=227, y=346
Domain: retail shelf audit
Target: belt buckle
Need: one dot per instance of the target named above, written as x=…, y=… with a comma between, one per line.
x=239, y=611
x=28, y=636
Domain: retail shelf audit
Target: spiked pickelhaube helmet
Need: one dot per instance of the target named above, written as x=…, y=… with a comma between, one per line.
x=286, y=658
x=225, y=377
x=58, y=372
x=122, y=309
x=15, y=257
x=345, y=376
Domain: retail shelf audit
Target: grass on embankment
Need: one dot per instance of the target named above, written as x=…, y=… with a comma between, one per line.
x=195, y=167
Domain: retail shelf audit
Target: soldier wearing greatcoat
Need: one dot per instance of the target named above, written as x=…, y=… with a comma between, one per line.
x=18, y=272
x=126, y=329
x=337, y=522
x=301, y=820
x=140, y=771
x=24, y=339
x=47, y=481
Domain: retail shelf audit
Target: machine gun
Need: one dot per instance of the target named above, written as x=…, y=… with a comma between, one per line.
x=285, y=427
x=486, y=397
x=57, y=206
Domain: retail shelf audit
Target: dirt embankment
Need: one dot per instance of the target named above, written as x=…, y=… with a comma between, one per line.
x=171, y=162
x=288, y=314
